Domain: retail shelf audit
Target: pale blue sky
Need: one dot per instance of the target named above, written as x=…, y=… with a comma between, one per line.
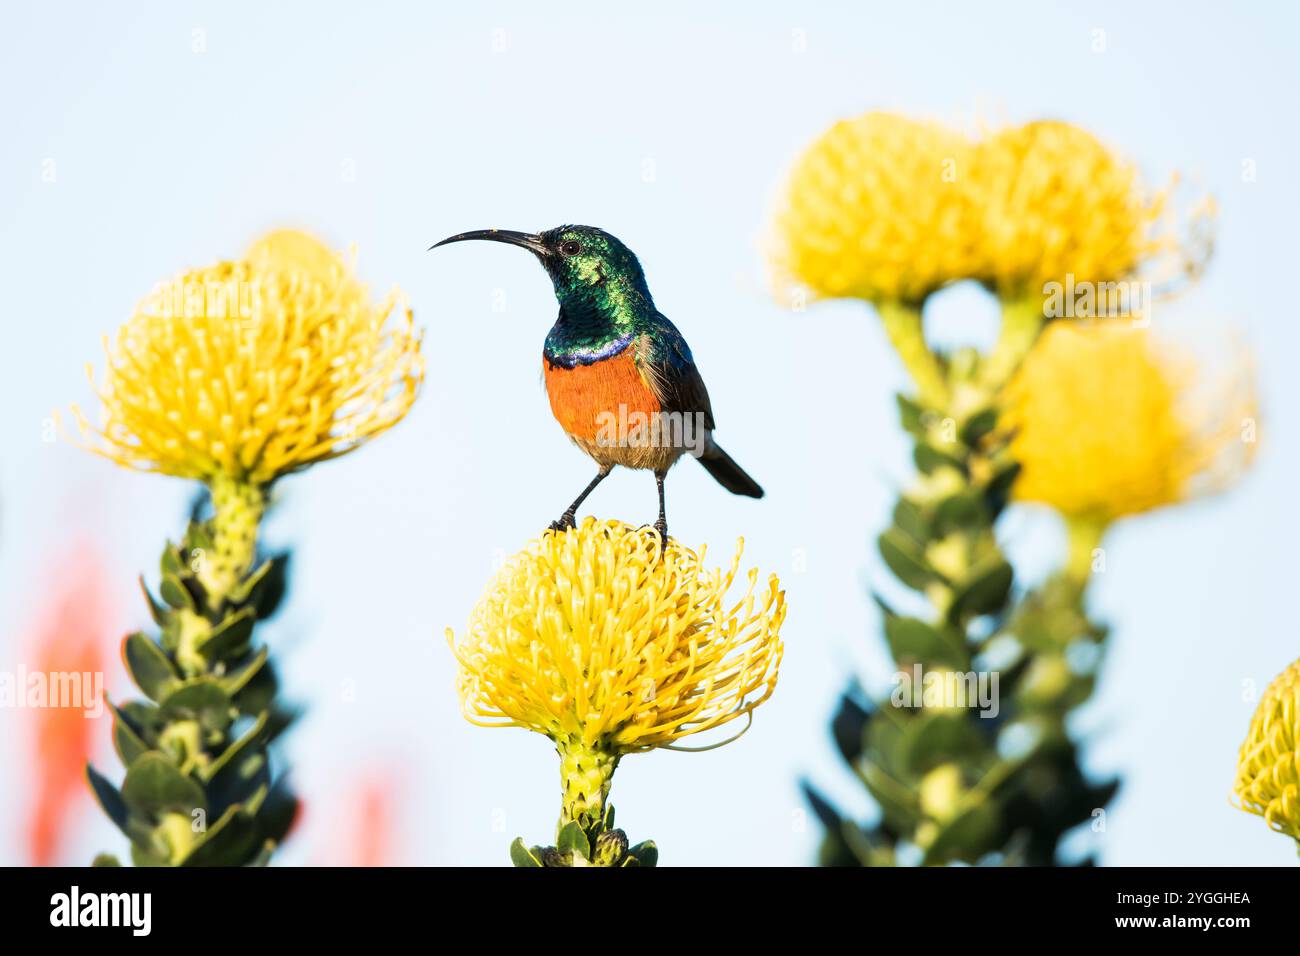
x=177, y=132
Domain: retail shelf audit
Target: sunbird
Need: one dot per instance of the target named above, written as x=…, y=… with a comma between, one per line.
x=620, y=377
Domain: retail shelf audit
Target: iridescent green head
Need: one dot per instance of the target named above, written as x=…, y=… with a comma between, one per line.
x=592, y=271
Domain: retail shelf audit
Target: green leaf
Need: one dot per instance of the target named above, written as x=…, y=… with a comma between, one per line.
x=645, y=853
x=200, y=699
x=198, y=536
x=897, y=803
x=966, y=837
x=910, y=415
x=521, y=856
x=154, y=785
x=237, y=679
x=911, y=520
x=105, y=859
x=281, y=719
x=882, y=736
x=173, y=591
x=150, y=669
x=232, y=841
x=268, y=595
x=278, y=811
x=978, y=425
x=258, y=692
x=900, y=554
x=170, y=563
x=848, y=725
x=930, y=459
x=985, y=591
x=109, y=798
x=144, y=856
x=911, y=639
x=232, y=757
x=936, y=737
x=241, y=591
x=144, y=717
x=264, y=587
x=230, y=636
x=998, y=491
x=126, y=740
x=159, y=613
x=962, y=511
x=572, y=837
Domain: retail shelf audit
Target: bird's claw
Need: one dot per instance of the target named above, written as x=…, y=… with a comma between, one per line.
x=565, y=523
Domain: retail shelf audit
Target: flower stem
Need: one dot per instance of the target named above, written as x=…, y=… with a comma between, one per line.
x=586, y=774
x=903, y=326
x=1084, y=538
x=238, y=507
x=1022, y=321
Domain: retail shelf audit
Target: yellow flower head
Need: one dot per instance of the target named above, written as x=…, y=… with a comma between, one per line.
x=1054, y=202
x=876, y=208
x=1105, y=424
x=254, y=368
x=1268, y=768
x=602, y=640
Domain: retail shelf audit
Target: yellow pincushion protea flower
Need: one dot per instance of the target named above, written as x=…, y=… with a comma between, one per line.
x=1106, y=424
x=600, y=634
x=609, y=643
x=250, y=369
x=1268, y=768
x=1055, y=202
x=889, y=209
x=877, y=208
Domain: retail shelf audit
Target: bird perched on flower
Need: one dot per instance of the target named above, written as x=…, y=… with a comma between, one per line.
x=610, y=642
x=621, y=379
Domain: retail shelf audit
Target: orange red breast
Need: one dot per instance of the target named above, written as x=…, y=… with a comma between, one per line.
x=581, y=396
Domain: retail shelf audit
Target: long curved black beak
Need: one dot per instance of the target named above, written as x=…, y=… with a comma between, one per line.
x=533, y=243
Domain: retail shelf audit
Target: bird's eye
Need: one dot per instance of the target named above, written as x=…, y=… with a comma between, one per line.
x=571, y=248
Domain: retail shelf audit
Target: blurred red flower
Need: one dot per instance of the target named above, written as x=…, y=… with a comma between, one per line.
x=365, y=824
x=70, y=634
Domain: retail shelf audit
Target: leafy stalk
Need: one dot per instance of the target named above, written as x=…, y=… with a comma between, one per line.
x=585, y=835
x=199, y=789
x=964, y=768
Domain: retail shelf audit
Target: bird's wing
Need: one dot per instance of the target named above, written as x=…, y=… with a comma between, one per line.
x=669, y=368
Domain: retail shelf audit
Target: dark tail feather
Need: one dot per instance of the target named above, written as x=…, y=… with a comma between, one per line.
x=728, y=474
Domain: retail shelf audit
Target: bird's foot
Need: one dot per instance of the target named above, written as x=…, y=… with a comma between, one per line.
x=566, y=522
x=660, y=528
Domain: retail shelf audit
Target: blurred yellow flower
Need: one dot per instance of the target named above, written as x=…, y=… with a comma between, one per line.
x=889, y=209
x=876, y=208
x=249, y=369
x=1105, y=423
x=601, y=639
x=1268, y=768
x=1054, y=202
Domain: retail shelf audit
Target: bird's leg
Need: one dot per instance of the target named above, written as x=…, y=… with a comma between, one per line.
x=662, y=524
x=567, y=519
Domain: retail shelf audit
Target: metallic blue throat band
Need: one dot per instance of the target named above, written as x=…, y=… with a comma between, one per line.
x=581, y=356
